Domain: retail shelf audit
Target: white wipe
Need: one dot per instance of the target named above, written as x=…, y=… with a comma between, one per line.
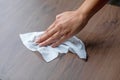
x=74, y=45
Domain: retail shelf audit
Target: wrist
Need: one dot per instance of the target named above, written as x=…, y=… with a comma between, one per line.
x=90, y=7
x=82, y=14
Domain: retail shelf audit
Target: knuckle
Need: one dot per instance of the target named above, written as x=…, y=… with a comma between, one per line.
x=60, y=41
x=47, y=35
x=48, y=42
x=52, y=39
x=58, y=16
x=60, y=25
x=67, y=36
x=46, y=32
x=56, y=44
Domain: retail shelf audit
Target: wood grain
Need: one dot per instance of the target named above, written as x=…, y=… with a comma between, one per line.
x=101, y=36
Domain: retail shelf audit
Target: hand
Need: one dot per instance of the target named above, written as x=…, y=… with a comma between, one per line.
x=66, y=25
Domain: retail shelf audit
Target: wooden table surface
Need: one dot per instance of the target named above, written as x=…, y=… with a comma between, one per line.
x=101, y=36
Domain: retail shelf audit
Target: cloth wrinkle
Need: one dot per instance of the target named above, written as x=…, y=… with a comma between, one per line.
x=49, y=53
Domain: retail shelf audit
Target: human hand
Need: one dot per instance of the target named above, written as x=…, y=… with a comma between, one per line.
x=66, y=25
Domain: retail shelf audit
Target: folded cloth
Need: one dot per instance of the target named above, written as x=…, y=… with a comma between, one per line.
x=49, y=53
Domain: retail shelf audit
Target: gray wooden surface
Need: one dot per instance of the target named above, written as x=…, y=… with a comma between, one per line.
x=101, y=36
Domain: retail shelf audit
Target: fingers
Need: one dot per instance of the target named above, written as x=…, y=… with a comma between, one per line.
x=55, y=39
x=60, y=41
x=58, y=16
x=57, y=32
x=51, y=39
x=48, y=32
x=54, y=23
x=51, y=26
x=46, y=35
x=55, y=36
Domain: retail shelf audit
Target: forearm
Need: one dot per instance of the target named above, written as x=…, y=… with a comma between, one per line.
x=90, y=7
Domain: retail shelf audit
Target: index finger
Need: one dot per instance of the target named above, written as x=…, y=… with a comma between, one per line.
x=46, y=35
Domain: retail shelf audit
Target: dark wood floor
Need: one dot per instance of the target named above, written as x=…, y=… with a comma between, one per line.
x=101, y=36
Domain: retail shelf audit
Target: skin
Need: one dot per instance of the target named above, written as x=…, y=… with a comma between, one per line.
x=69, y=23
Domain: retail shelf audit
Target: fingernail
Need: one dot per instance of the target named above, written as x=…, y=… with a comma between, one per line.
x=40, y=44
x=36, y=40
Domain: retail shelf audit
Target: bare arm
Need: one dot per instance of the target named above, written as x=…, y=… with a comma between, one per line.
x=69, y=23
x=90, y=7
